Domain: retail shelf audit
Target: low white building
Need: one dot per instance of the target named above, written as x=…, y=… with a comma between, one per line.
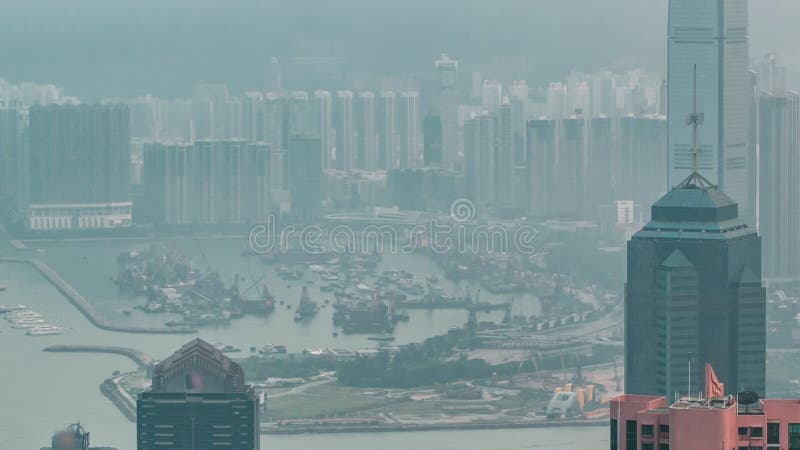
x=79, y=216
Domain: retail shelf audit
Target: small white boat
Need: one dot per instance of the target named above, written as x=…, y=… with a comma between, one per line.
x=45, y=330
x=33, y=324
x=9, y=308
x=23, y=315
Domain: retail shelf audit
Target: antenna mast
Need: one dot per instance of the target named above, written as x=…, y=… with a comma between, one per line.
x=695, y=119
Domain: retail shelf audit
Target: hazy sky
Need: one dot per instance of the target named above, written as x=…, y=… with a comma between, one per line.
x=124, y=47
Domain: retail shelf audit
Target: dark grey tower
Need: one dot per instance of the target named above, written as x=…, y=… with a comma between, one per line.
x=694, y=286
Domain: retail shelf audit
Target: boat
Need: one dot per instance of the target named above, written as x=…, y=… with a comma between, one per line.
x=3, y=287
x=45, y=330
x=270, y=349
x=35, y=323
x=307, y=307
x=23, y=315
x=381, y=338
x=10, y=308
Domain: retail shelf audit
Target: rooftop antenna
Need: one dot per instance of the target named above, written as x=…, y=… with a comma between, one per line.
x=695, y=119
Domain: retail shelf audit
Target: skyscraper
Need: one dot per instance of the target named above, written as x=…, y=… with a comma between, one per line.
x=386, y=129
x=694, y=295
x=198, y=399
x=305, y=162
x=447, y=71
x=407, y=129
x=251, y=116
x=711, y=36
x=366, y=152
x=479, y=158
x=779, y=186
x=505, y=156
x=432, y=140
x=10, y=152
x=321, y=124
x=272, y=116
x=343, y=126
x=79, y=167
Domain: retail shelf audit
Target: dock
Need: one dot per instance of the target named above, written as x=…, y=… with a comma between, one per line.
x=85, y=307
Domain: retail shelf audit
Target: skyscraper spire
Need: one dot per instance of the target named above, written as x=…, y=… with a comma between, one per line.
x=695, y=120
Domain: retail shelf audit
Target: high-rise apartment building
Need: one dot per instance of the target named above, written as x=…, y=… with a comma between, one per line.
x=11, y=157
x=343, y=127
x=366, y=150
x=447, y=72
x=432, y=140
x=79, y=167
x=479, y=159
x=305, y=168
x=386, y=121
x=407, y=130
x=321, y=124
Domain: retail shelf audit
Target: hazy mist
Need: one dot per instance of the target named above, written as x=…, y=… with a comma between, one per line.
x=97, y=49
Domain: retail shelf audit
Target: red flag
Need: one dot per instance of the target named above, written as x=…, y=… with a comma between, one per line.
x=713, y=387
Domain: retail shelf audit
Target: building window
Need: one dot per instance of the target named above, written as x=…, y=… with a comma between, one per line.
x=774, y=433
x=663, y=429
x=794, y=436
x=756, y=432
x=614, y=438
x=663, y=446
x=647, y=446
x=630, y=434
x=647, y=430
x=742, y=431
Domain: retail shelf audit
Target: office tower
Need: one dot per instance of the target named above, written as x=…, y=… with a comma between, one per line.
x=694, y=295
x=273, y=77
x=479, y=159
x=272, y=120
x=541, y=158
x=299, y=113
x=305, y=162
x=79, y=167
x=232, y=118
x=447, y=71
x=477, y=84
x=580, y=99
x=74, y=437
x=408, y=129
x=386, y=128
x=10, y=160
x=779, y=186
x=321, y=124
x=144, y=117
x=251, y=116
x=504, y=164
x=491, y=95
x=432, y=140
x=167, y=184
x=343, y=126
x=202, y=119
x=366, y=152
x=709, y=38
x=198, y=399
x=557, y=101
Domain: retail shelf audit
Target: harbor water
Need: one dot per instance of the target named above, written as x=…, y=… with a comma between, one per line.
x=42, y=392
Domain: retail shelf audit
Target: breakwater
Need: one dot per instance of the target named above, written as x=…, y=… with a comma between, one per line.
x=86, y=308
x=142, y=359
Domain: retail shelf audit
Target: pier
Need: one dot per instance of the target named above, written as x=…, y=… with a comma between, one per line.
x=142, y=359
x=86, y=308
